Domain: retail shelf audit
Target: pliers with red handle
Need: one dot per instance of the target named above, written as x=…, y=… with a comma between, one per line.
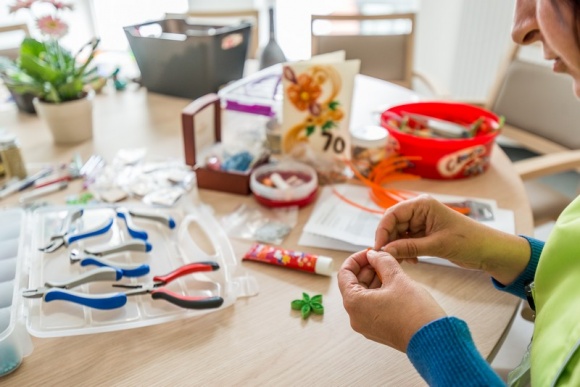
x=158, y=291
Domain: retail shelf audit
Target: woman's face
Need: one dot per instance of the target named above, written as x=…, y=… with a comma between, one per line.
x=552, y=23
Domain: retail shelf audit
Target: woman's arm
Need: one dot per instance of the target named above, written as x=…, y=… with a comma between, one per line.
x=424, y=226
x=444, y=354
x=516, y=287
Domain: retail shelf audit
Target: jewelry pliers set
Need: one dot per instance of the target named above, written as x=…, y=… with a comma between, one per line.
x=107, y=271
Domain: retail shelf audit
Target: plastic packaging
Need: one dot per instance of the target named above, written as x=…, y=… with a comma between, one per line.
x=259, y=224
x=15, y=343
x=171, y=248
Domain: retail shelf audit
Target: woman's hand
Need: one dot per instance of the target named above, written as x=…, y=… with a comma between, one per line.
x=388, y=311
x=424, y=226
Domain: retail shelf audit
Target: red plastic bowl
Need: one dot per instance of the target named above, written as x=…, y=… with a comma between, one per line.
x=443, y=158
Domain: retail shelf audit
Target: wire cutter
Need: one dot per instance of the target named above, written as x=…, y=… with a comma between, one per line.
x=54, y=290
x=66, y=237
x=157, y=290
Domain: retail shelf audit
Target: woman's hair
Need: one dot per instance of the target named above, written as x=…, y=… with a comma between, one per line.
x=575, y=7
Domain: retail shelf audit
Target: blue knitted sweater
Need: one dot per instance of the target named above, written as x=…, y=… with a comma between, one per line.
x=443, y=351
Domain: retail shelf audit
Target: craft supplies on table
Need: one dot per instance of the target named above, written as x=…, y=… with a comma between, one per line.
x=72, y=290
x=202, y=131
x=451, y=140
x=284, y=184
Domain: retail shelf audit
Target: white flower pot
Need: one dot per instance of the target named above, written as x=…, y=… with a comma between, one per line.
x=70, y=122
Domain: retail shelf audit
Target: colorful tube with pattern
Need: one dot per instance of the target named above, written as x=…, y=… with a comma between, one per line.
x=289, y=258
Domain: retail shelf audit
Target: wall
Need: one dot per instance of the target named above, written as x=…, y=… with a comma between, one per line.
x=461, y=43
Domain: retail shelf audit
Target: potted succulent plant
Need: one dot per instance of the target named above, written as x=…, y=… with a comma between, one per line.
x=55, y=76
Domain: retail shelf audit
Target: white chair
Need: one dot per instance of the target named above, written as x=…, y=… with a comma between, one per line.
x=14, y=34
x=384, y=44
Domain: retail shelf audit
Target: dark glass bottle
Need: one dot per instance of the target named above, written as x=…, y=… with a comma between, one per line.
x=272, y=53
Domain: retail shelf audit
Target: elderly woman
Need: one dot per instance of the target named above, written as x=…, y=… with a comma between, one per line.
x=439, y=346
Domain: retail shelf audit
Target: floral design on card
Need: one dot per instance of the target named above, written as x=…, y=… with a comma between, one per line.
x=317, y=99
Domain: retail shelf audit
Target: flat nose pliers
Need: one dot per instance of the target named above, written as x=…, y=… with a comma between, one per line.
x=65, y=237
x=55, y=290
x=158, y=291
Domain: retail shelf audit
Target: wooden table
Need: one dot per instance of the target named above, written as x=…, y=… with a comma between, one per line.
x=258, y=340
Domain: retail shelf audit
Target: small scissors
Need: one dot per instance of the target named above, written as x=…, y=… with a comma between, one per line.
x=53, y=290
x=157, y=290
x=65, y=238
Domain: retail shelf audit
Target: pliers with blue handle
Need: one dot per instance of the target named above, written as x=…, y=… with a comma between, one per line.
x=157, y=290
x=52, y=290
x=66, y=238
x=95, y=257
x=137, y=233
x=133, y=230
x=166, y=220
x=125, y=269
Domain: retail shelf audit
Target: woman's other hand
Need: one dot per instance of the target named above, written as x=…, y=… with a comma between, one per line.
x=424, y=226
x=388, y=311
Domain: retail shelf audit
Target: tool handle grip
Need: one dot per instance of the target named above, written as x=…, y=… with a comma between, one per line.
x=132, y=245
x=100, y=274
x=187, y=269
x=133, y=230
x=164, y=219
x=99, y=230
x=188, y=302
x=95, y=301
x=126, y=270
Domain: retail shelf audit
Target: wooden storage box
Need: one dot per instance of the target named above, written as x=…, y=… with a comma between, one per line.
x=201, y=123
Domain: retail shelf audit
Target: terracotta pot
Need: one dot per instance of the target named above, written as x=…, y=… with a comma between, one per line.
x=70, y=122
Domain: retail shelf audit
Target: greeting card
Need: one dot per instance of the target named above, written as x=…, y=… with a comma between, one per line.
x=316, y=109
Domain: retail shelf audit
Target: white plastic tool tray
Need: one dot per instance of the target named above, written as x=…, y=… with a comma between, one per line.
x=23, y=266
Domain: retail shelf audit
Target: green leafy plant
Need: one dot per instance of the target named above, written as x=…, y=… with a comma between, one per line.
x=45, y=68
x=308, y=305
x=49, y=71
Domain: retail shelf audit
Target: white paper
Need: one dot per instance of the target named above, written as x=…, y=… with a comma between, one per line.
x=337, y=225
